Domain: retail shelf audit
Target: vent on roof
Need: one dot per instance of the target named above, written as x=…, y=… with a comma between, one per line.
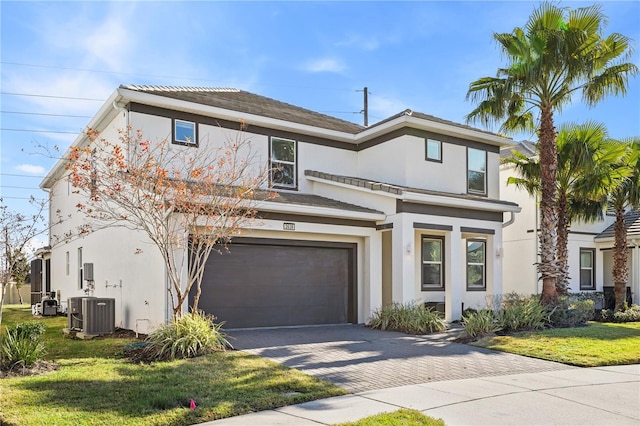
x=145, y=88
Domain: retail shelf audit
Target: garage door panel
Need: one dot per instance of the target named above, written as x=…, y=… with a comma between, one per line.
x=294, y=295
x=257, y=285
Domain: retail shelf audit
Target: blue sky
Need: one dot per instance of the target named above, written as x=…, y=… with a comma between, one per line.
x=420, y=55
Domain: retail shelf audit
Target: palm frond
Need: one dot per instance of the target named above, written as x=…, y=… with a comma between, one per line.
x=612, y=81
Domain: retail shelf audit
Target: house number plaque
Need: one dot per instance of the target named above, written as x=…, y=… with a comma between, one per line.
x=288, y=226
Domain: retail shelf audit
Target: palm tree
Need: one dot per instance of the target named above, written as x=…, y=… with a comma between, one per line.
x=586, y=172
x=559, y=52
x=621, y=198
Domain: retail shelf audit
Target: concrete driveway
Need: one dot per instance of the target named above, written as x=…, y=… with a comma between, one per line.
x=360, y=359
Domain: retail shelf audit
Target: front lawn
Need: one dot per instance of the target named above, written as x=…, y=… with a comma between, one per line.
x=597, y=344
x=96, y=385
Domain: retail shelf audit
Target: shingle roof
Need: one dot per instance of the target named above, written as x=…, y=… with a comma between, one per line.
x=246, y=102
x=631, y=222
x=525, y=147
x=397, y=189
x=314, y=201
x=250, y=103
x=428, y=117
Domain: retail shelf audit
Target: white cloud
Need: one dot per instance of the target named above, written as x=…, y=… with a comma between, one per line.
x=360, y=42
x=30, y=168
x=325, y=65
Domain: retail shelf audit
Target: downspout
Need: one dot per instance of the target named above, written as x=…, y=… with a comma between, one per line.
x=510, y=221
x=535, y=246
x=636, y=273
x=166, y=270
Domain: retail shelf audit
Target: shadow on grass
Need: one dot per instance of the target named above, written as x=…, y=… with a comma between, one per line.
x=222, y=385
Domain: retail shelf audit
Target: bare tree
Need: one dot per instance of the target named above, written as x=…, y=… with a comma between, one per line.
x=188, y=201
x=17, y=231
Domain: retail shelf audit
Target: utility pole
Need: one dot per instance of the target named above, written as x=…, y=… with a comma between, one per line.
x=366, y=106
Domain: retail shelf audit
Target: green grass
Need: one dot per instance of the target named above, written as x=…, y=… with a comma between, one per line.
x=96, y=385
x=397, y=418
x=597, y=344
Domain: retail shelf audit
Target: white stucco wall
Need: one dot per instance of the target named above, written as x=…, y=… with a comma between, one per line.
x=401, y=161
x=324, y=159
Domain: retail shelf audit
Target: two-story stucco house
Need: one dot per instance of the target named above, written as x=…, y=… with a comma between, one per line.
x=407, y=209
x=590, y=245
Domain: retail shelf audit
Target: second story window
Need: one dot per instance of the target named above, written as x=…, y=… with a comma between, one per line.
x=476, y=171
x=283, y=163
x=433, y=150
x=184, y=133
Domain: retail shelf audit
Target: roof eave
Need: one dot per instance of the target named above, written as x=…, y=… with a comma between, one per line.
x=434, y=126
x=317, y=211
x=106, y=113
x=226, y=114
x=441, y=200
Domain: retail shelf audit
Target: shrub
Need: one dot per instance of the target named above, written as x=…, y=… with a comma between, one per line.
x=572, y=311
x=410, y=318
x=522, y=313
x=30, y=329
x=631, y=314
x=188, y=336
x=477, y=324
x=22, y=345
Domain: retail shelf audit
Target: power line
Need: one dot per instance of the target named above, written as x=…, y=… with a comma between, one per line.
x=18, y=187
x=17, y=198
x=42, y=113
x=38, y=131
x=19, y=175
x=51, y=96
x=105, y=72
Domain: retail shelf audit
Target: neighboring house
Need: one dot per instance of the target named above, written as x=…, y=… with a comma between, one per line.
x=590, y=244
x=407, y=209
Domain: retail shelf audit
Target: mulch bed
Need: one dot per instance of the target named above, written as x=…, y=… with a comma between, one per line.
x=39, y=367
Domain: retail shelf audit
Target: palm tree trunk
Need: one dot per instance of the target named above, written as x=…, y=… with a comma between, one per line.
x=548, y=213
x=620, y=270
x=562, y=285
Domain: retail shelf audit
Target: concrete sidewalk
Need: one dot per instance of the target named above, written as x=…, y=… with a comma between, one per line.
x=575, y=396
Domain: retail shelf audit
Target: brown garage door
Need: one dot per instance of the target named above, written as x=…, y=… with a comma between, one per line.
x=267, y=282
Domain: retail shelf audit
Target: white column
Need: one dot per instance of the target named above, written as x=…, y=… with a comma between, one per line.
x=372, y=299
x=455, y=275
x=403, y=259
x=495, y=254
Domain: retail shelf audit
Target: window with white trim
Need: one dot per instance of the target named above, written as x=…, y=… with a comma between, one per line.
x=476, y=265
x=283, y=163
x=432, y=263
x=433, y=150
x=476, y=171
x=184, y=133
x=587, y=269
